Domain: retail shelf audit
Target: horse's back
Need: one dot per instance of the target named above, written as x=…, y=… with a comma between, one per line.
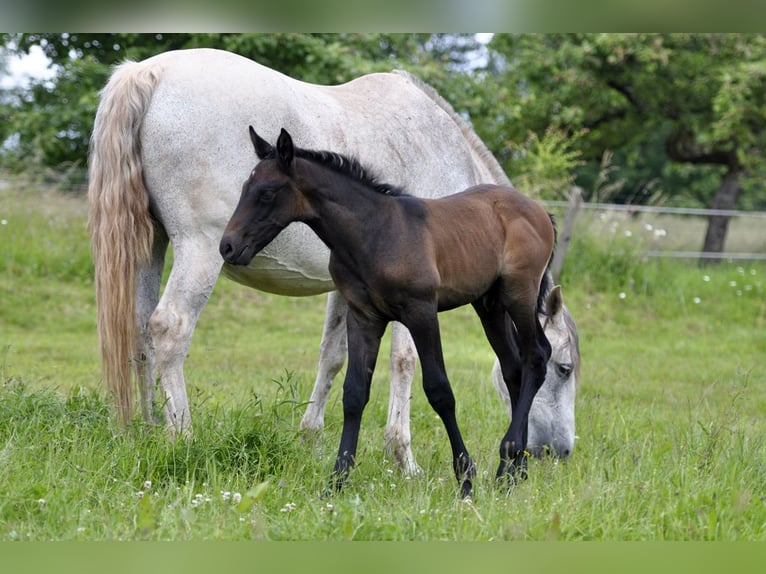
x=207, y=98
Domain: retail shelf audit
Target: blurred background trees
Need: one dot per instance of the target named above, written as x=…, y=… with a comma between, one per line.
x=630, y=118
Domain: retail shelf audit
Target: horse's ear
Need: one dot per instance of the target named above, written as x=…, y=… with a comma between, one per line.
x=285, y=150
x=262, y=147
x=554, y=301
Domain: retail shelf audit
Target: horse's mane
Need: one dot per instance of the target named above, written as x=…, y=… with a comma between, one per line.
x=478, y=147
x=349, y=167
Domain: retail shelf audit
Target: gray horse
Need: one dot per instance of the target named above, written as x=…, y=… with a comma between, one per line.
x=169, y=152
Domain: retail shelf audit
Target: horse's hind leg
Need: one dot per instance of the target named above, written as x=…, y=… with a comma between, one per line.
x=397, y=434
x=195, y=269
x=147, y=296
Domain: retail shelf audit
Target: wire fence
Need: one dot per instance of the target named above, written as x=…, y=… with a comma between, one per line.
x=676, y=232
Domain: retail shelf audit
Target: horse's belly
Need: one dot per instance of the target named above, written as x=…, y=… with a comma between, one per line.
x=294, y=263
x=267, y=274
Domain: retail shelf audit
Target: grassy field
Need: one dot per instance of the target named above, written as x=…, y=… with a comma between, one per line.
x=670, y=413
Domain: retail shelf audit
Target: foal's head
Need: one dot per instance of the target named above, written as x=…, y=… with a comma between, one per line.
x=276, y=193
x=268, y=203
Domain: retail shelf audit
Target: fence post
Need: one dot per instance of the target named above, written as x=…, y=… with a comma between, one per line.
x=565, y=234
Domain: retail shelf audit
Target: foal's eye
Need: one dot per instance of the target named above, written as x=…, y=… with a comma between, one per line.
x=266, y=196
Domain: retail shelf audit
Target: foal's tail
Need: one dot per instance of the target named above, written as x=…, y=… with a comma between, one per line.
x=121, y=227
x=546, y=282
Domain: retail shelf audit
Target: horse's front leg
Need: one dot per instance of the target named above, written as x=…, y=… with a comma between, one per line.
x=332, y=355
x=363, y=345
x=424, y=326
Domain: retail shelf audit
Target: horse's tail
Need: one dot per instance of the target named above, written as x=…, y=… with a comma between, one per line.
x=121, y=227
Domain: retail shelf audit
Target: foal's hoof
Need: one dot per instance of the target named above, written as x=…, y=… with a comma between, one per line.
x=336, y=484
x=333, y=488
x=510, y=473
x=466, y=490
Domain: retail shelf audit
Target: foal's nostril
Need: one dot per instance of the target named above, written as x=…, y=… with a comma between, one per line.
x=226, y=249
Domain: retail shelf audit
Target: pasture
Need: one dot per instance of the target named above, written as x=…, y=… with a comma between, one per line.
x=670, y=412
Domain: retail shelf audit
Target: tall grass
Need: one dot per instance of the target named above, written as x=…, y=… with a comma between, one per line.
x=670, y=413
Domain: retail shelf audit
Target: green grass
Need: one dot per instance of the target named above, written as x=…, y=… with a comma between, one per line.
x=670, y=413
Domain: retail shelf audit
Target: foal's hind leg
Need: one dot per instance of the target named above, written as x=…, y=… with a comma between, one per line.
x=534, y=353
x=522, y=363
x=195, y=269
x=423, y=323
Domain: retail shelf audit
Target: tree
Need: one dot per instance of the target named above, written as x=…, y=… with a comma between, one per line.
x=696, y=98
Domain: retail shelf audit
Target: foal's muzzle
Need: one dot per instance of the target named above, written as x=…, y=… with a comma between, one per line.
x=232, y=253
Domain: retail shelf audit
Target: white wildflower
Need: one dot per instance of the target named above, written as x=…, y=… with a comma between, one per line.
x=289, y=507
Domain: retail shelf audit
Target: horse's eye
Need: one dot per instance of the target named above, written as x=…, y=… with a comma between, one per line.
x=564, y=369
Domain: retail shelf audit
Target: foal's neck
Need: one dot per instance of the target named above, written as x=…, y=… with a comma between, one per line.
x=344, y=212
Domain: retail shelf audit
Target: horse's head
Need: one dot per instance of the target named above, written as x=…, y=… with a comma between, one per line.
x=552, y=416
x=268, y=203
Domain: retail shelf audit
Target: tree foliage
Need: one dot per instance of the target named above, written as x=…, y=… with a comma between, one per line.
x=656, y=100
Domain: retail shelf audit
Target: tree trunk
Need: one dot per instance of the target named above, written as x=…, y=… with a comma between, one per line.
x=725, y=198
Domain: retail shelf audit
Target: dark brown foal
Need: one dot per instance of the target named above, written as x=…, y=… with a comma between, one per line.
x=397, y=257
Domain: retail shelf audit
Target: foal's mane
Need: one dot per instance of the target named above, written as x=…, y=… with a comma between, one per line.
x=349, y=167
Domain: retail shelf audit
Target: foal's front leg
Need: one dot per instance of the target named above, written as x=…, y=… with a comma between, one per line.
x=363, y=345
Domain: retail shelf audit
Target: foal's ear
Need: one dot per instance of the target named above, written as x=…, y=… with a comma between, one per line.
x=285, y=150
x=262, y=147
